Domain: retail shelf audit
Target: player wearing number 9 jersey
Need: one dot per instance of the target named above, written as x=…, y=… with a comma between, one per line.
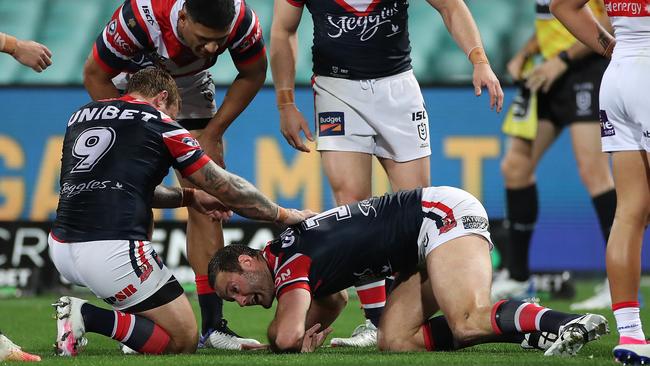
x=435, y=239
x=115, y=154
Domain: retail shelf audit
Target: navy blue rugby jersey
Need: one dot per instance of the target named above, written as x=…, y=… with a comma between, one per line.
x=359, y=39
x=115, y=153
x=348, y=244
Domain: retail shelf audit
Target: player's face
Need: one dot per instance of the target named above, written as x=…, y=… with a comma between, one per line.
x=202, y=40
x=252, y=287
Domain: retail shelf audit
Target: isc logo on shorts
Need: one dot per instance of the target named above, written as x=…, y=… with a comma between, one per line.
x=331, y=124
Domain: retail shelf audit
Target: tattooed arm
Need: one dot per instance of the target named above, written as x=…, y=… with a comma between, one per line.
x=580, y=21
x=242, y=197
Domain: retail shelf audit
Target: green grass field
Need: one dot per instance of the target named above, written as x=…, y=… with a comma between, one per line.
x=29, y=322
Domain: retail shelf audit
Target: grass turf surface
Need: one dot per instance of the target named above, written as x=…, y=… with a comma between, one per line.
x=29, y=322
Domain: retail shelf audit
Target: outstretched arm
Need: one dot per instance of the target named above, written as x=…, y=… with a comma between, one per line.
x=29, y=53
x=242, y=197
x=462, y=28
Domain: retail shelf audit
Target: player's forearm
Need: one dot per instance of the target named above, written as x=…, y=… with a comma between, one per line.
x=238, y=97
x=460, y=24
x=236, y=193
x=580, y=21
x=284, y=47
x=283, y=341
x=531, y=47
x=167, y=197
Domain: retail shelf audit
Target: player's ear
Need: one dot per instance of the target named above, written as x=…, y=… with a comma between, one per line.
x=160, y=100
x=245, y=261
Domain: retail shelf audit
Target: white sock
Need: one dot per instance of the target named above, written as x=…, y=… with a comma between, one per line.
x=628, y=324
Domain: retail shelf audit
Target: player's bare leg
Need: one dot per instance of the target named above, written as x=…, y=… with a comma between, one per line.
x=594, y=170
x=409, y=174
x=518, y=170
x=177, y=319
x=408, y=306
x=350, y=176
x=632, y=178
x=461, y=272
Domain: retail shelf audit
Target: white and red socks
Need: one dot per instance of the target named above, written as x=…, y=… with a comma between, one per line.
x=373, y=299
x=628, y=322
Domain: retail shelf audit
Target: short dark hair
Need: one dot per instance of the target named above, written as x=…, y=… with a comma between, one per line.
x=152, y=80
x=215, y=14
x=226, y=259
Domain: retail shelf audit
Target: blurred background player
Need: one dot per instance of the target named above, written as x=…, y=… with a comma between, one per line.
x=185, y=37
x=566, y=85
x=38, y=57
x=29, y=53
x=625, y=132
x=367, y=102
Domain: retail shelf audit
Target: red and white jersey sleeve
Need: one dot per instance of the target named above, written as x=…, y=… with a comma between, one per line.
x=186, y=151
x=124, y=37
x=289, y=273
x=246, y=42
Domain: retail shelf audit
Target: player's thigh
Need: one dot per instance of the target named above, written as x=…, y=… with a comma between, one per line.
x=409, y=174
x=177, y=319
x=349, y=174
x=325, y=310
x=455, y=244
x=461, y=273
x=632, y=181
x=408, y=306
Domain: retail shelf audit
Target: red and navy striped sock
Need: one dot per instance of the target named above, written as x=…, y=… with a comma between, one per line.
x=373, y=298
x=509, y=316
x=210, y=304
x=136, y=332
x=439, y=337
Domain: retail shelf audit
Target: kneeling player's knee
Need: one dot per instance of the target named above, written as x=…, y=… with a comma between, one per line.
x=394, y=342
x=186, y=343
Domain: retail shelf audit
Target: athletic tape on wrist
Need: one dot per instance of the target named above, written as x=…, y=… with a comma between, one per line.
x=187, y=195
x=477, y=56
x=284, y=97
x=8, y=43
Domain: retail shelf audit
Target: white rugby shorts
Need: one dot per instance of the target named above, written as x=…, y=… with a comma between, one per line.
x=196, y=91
x=123, y=273
x=449, y=214
x=624, y=105
x=385, y=117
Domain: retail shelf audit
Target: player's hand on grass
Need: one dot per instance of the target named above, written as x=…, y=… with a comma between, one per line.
x=208, y=205
x=291, y=123
x=33, y=54
x=313, y=338
x=544, y=75
x=485, y=77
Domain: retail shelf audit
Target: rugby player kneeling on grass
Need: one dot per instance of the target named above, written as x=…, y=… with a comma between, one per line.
x=115, y=154
x=435, y=239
